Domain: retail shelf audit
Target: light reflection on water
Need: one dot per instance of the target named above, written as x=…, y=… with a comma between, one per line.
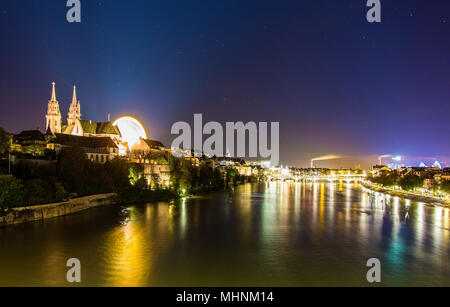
x=264, y=234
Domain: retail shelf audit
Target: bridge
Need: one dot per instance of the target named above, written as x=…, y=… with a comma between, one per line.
x=318, y=178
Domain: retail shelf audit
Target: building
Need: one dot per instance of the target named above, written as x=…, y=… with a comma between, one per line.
x=144, y=146
x=74, y=109
x=152, y=155
x=75, y=125
x=97, y=149
x=30, y=137
x=378, y=170
x=417, y=171
x=443, y=175
x=228, y=161
x=94, y=129
x=29, y=141
x=428, y=183
x=157, y=174
x=148, y=151
x=53, y=117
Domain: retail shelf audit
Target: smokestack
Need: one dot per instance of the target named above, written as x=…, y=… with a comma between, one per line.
x=324, y=158
x=380, y=158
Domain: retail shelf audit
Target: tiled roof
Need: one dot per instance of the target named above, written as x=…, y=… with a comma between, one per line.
x=107, y=128
x=91, y=127
x=68, y=129
x=83, y=141
x=154, y=144
x=27, y=135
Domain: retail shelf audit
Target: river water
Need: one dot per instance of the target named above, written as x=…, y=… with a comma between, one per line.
x=266, y=234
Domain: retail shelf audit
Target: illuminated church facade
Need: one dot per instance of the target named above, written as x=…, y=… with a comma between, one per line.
x=103, y=141
x=77, y=126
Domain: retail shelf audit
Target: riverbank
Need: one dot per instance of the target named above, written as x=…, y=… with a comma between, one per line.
x=146, y=196
x=428, y=200
x=10, y=216
x=17, y=215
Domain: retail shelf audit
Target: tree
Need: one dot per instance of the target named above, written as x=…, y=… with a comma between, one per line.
x=60, y=192
x=386, y=179
x=141, y=184
x=38, y=191
x=5, y=141
x=232, y=175
x=206, y=175
x=435, y=186
x=135, y=173
x=155, y=181
x=34, y=150
x=72, y=169
x=12, y=193
x=117, y=173
x=410, y=182
x=445, y=186
x=177, y=173
x=156, y=156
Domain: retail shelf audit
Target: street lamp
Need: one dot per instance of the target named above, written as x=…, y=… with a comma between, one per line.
x=9, y=156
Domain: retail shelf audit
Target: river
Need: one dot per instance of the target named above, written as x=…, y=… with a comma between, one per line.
x=264, y=234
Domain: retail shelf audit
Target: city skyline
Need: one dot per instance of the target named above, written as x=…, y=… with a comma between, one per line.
x=361, y=102
x=218, y=151
x=317, y=161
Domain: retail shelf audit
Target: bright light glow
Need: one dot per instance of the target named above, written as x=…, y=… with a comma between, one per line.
x=285, y=172
x=437, y=164
x=131, y=130
x=397, y=158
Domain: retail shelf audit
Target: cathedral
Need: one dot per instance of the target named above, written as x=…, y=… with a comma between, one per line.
x=75, y=125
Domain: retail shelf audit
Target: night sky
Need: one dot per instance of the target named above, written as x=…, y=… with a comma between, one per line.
x=336, y=83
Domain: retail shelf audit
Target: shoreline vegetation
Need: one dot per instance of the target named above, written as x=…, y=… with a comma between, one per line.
x=33, y=213
x=426, y=199
x=427, y=185
x=72, y=178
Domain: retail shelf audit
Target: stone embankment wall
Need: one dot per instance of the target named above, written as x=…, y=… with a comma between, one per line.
x=36, y=213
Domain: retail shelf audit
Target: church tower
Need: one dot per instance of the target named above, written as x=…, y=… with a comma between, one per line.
x=74, y=110
x=53, y=116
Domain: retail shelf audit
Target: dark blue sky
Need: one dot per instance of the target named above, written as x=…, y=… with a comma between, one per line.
x=336, y=83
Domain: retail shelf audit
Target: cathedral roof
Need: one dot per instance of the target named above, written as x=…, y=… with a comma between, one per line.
x=91, y=127
x=107, y=128
x=68, y=129
x=83, y=141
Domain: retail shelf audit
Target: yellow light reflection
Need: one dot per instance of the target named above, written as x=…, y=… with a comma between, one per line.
x=128, y=261
x=322, y=206
x=420, y=224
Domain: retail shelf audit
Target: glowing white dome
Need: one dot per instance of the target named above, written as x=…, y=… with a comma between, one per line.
x=130, y=129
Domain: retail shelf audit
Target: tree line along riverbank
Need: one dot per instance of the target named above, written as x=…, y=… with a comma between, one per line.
x=72, y=175
x=428, y=185
x=428, y=200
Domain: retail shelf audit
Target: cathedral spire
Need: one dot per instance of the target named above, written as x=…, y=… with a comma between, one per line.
x=53, y=92
x=74, y=110
x=74, y=97
x=53, y=117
